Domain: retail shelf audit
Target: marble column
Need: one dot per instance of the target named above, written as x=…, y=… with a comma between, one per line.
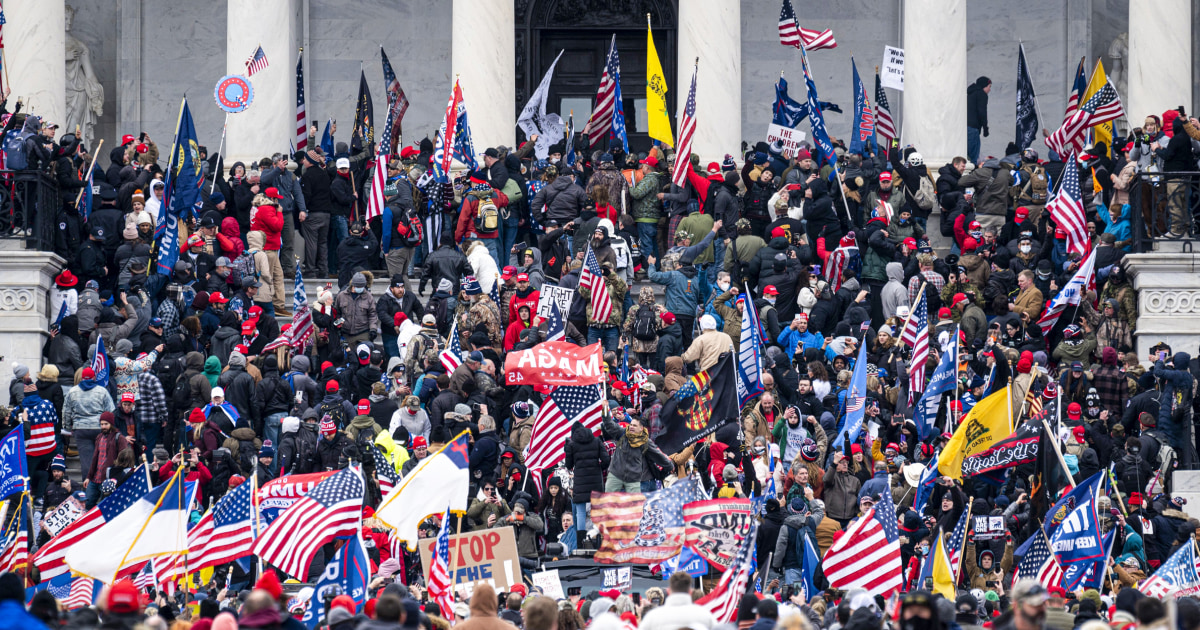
x=935, y=79
x=483, y=56
x=25, y=281
x=711, y=30
x=1160, y=58
x=269, y=124
x=35, y=56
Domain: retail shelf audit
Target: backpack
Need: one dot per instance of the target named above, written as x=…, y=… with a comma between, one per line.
x=365, y=440
x=334, y=411
x=1037, y=186
x=306, y=458
x=181, y=396
x=644, y=325
x=411, y=228
x=244, y=267
x=925, y=196
x=16, y=158
x=487, y=216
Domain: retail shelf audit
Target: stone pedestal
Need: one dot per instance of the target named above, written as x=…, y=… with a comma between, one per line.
x=483, y=56
x=1168, y=300
x=711, y=30
x=1158, y=30
x=269, y=124
x=25, y=281
x=35, y=57
x=935, y=79
x=1186, y=484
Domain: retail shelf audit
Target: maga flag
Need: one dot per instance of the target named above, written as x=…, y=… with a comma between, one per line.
x=714, y=528
x=987, y=423
x=700, y=407
x=863, y=129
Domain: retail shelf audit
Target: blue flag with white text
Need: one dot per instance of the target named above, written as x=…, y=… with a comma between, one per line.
x=926, y=410
x=181, y=191
x=348, y=573
x=13, y=465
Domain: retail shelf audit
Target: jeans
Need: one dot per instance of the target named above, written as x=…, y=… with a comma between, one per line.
x=607, y=336
x=339, y=229
x=92, y=492
x=718, y=260
x=267, y=307
x=149, y=433
x=287, y=256
x=580, y=511
x=271, y=427
x=39, y=473
x=792, y=576
x=649, y=486
x=493, y=247
x=316, y=235
x=973, y=143
x=612, y=484
x=647, y=233
x=508, y=236
x=85, y=441
x=391, y=346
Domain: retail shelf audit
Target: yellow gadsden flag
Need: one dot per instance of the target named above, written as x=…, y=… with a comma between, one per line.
x=943, y=572
x=657, y=120
x=986, y=424
x=1104, y=131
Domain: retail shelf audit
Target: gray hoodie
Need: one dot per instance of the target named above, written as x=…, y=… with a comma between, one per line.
x=894, y=294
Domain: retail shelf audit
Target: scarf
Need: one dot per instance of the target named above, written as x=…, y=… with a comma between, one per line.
x=226, y=406
x=87, y=384
x=636, y=440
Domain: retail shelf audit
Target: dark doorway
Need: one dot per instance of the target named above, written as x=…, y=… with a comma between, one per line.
x=584, y=30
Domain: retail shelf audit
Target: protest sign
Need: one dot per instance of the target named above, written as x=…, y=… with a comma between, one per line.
x=989, y=527
x=892, y=74
x=791, y=138
x=63, y=515
x=715, y=528
x=550, y=584
x=620, y=578
x=550, y=294
x=486, y=556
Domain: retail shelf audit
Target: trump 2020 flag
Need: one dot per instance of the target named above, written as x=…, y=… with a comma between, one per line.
x=154, y=526
x=942, y=381
x=347, y=574
x=14, y=468
x=819, y=134
x=100, y=363
x=181, y=191
x=424, y=491
x=749, y=366
x=856, y=399
x=1077, y=542
x=862, y=134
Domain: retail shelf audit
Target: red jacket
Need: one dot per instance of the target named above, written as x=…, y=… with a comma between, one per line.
x=269, y=220
x=466, y=217
x=230, y=238
x=512, y=336
x=201, y=475
x=530, y=300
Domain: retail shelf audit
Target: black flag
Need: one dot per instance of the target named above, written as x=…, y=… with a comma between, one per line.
x=364, y=113
x=1027, y=118
x=706, y=402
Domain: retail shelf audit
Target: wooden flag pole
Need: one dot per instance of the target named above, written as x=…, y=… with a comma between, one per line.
x=89, y=171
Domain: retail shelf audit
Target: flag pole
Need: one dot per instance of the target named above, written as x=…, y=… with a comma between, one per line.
x=89, y=171
x=220, y=148
x=1054, y=443
x=1037, y=105
x=254, y=510
x=958, y=565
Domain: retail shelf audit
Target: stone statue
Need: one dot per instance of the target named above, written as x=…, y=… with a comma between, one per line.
x=1118, y=50
x=85, y=95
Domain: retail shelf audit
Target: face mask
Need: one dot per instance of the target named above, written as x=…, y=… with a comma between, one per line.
x=917, y=623
x=359, y=289
x=901, y=221
x=922, y=551
x=724, y=286
x=1025, y=249
x=758, y=450
x=977, y=234
x=770, y=301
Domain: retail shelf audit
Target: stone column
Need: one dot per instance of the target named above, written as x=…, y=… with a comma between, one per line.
x=935, y=79
x=1168, y=299
x=483, y=56
x=269, y=124
x=711, y=30
x=35, y=57
x=25, y=281
x=1159, y=30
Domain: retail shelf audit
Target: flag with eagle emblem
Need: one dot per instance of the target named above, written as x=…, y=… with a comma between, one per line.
x=700, y=407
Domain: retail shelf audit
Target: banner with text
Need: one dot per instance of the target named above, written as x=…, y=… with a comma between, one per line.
x=715, y=528
x=790, y=138
x=554, y=363
x=892, y=74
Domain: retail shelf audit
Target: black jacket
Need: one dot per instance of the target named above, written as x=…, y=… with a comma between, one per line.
x=388, y=306
x=315, y=184
x=446, y=262
x=341, y=193
x=588, y=458
x=356, y=253
x=275, y=393
x=240, y=392
x=977, y=102
x=760, y=265
x=331, y=453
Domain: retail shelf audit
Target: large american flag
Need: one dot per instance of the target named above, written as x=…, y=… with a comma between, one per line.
x=451, y=357
x=330, y=510
x=51, y=558
x=397, y=105
x=552, y=425
x=1102, y=107
x=608, y=117
x=1180, y=574
x=1066, y=208
x=916, y=335
x=376, y=200
x=592, y=277
x=722, y=602
x=884, y=125
x=82, y=593
x=301, y=113
x=257, y=62
x=687, y=129
x=1072, y=293
x=791, y=34
x=868, y=554
x=224, y=534
x=1039, y=564
x=1078, y=89
x=441, y=587
x=385, y=473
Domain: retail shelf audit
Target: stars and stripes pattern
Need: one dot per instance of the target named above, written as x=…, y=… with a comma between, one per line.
x=376, y=200
x=556, y=329
x=385, y=473
x=330, y=510
x=1066, y=208
x=1072, y=293
x=16, y=540
x=791, y=34
x=51, y=558
x=257, y=62
x=1102, y=107
x=224, y=534
x=916, y=335
x=145, y=577
x=443, y=146
x=723, y=601
x=302, y=321
x=565, y=405
x=451, y=357
x=1078, y=89
x=868, y=554
x=82, y=593
x=687, y=129
x=591, y=277
x=954, y=546
x=100, y=362
x=441, y=587
x=884, y=125
x=622, y=518
x=41, y=419
x=301, y=112
x=397, y=105
x=1180, y=574
x=1039, y=564
x=608, y=117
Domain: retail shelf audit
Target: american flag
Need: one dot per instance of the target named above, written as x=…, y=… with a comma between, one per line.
x=82, y=593
x=592, y=277
x=51, y=558
x=552, y=426
x=954, y=546
x=608, y=118
x=1033, y=403
x=556, y=328
x=145, y=578
x=1066, y=208
x=884, y=125
x=643, y=527
x=1078, y=89
x=722, y=602
x=100, y=362
x=441, y=588
x=1179, y=575
x=397, y=105
x=224, y=534
x=451, y=357
x=328, y=511
x=791, y=34
x=16, y=539
x=301, y=113
x=916, y=335
x=1039, y=564
x=443, y=146
x=687, y=129
x=376, y=200
x=1072, y=293
x=302, y=321
x=868, y=554
x=1102, y=107
x=385, y=473
x=257, y=62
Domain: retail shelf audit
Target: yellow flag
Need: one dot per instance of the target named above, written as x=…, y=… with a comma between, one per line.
x=986, y=424
x=658, y=122
x=943, y=572
x=1104, y=131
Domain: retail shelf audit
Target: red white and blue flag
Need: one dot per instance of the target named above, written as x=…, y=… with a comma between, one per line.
x=916, y=335
x=441, y=586
x=224, y=534
x=16, y=539
x=301, y=112
x=1066, y=208
x=608, y=117
x=1078, y=89
x=591, y=277
x=687, y=130
x=331, y=510
x=725, y=597
x=868, y=554
x=1104, y=106
x=791, y=34
x=565, y=405
x=257, y=62
x=451, y=357
x=884, y=125
x=100, y=362
x=1039, y=564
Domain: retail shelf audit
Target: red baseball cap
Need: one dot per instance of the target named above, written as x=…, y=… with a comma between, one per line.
x=126, y=139
x=1074, y=410
x=273, y=193
x=770, y=290
x=508, y=272
x=522, y=277
x=778, y=232
x=668, y=318
x=650, y=159
x=248, y=326
x=1022, y=213
x=910, y=243
x=970, y=245
x=714, y=168
x=217, y=298
x=959, y=298
x=364, y=407
x=331, y=386
x=255, y=312
x=944, y=313
x=885, y=176
x=408, y=152
x=242, y=348
x=974, y=225
x=1060, y=233
x=88, y=373
x=420, y=442
x=195, y=240
x=127, y=397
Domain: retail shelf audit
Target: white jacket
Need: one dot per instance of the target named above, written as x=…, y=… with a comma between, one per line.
x=677, y=612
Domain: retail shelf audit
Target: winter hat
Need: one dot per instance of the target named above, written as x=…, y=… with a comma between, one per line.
x=708, y=322
x=809, y=450
x=58, y=463
x=729, y=473
x=327, y=427
x=471, y=286
x=521, y=409
x=667, y=318
x=196, y=416
x=358, y=280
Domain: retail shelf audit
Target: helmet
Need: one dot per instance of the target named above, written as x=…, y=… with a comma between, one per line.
x=1029, y=155
x=915, y=159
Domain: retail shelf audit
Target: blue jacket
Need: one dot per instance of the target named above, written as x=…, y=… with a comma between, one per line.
x=1121, y=228
x=790, y=339
x=682, y=291
x=876, y=485
x=1175, y=382
x=13, y=616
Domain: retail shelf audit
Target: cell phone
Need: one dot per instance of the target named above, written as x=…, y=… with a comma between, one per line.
x=990, y=583
x=637, y=599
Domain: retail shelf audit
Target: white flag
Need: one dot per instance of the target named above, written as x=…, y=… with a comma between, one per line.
x=535, y=121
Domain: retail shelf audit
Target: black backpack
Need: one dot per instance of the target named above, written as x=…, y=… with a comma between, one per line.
x=365, y=440
x=181, y=396
x=644, y=326
x=335, y=413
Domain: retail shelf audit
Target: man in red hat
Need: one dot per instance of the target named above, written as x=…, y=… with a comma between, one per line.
x=64, y=297
x=525, y=295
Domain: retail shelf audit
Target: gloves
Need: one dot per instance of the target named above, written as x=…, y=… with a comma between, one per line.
x=985, y=132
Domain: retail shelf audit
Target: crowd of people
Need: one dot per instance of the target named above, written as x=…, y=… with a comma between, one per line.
x=831, y=259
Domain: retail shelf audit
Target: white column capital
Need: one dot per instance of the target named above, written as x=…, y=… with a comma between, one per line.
x=711, y=30
x=35, y=56
x=268, y=125
x=935, y=78
x=484, y=58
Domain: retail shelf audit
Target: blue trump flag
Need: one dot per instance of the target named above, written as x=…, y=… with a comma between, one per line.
x=84, y=207
x=1095, y=572
x=819, y=135
x=1070, y=501
x=856, y=399
x=925, y=486
x=1077, y=542
x=942, y=381
x=100, y=362
x=789, y=112
x=687, y=560
x=864, y=119
x=808, y=570
x=181, y=192
x=749, y=365
x=346, y=574
x=13, y=466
